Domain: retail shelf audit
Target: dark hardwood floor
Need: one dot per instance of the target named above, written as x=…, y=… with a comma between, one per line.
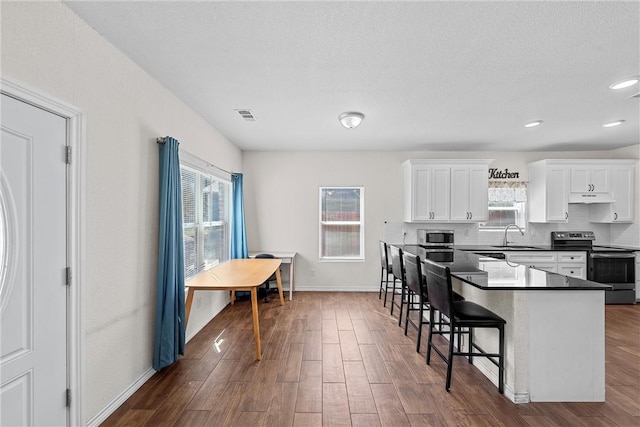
x=340, y=359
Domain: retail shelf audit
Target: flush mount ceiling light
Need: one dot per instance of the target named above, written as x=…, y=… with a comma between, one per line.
x=612, y=124
x=533, y=124
x=351, y=119
x=623, y=84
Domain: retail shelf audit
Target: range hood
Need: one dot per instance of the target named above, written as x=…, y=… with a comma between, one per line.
x=588, y=198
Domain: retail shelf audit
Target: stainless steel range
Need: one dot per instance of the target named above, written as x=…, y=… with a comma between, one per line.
x=613, y=266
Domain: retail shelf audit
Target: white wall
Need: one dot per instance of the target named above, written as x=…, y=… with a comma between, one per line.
x=282, y=206
x=47, y=48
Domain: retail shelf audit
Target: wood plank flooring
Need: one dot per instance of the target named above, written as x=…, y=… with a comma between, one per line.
x=339, y=359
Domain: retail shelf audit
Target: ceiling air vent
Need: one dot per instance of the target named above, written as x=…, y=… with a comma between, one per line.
x=247, y=115
x=635, y=95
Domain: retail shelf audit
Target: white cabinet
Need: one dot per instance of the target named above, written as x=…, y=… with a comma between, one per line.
x=623, y=194
x=548, y=192
x=587, y=178
x=606, y=185
x=445, y=190
x=542, y=260
x=469, y=193
x=426, y=192
x=572, y=264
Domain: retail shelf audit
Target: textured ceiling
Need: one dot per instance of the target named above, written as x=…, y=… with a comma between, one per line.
x=429, y=75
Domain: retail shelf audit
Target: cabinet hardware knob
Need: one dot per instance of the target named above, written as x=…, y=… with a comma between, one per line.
x=566, y=215
x=615, y=215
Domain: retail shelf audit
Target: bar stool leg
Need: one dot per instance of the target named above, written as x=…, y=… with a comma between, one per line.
x=501, y=361
x=401, y=304
x=393, y=294
x=470, y=345
x=450, y=361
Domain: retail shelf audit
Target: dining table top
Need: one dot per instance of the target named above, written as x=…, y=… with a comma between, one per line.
x=235, y=274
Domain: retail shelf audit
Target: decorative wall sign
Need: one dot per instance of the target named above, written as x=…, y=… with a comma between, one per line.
x=494, y=173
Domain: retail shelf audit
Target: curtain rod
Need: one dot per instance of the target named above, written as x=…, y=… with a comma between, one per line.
x=161, y=140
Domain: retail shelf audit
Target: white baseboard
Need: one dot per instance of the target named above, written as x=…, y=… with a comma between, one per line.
x=334, y=289
x=118, y=401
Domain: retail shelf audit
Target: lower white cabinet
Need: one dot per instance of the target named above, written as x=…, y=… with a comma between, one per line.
x=542, y=260
x=572, y=264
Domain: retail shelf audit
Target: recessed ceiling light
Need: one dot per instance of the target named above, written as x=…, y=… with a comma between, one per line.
x=622, y=84
x=612, y=124
x=533, y=124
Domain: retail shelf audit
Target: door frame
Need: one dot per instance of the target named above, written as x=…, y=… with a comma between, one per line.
x=76, y=139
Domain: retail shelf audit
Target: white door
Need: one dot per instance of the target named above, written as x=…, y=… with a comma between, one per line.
x=33, y=292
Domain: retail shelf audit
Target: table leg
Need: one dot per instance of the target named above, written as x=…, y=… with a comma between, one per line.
x=187, y=308
x=256, y=321
x=279, y=280
x=291, y=280
x=233, y=296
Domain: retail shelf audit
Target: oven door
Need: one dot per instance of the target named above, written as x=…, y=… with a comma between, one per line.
x=612, y=267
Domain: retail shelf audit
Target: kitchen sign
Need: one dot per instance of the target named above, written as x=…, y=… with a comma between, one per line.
x=494, y=173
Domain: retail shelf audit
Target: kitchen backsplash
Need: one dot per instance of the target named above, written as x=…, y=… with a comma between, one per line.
x=535, y=233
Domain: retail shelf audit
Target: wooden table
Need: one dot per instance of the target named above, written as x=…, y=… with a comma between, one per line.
x=237, y=275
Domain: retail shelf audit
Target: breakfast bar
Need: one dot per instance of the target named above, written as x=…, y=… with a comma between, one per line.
x=554, y=336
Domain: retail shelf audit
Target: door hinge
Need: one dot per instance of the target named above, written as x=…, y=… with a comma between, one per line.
x=68, y=274
x=68, y=155
x=68, y=398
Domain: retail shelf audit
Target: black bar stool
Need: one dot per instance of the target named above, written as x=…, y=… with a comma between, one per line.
x=461, y=314
x=416, y=289
x=397, y=269
x=385, y=271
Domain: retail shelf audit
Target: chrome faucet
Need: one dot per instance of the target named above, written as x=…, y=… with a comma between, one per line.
x=505, y=242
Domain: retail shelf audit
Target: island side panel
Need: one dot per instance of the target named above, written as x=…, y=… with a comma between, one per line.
x=566, y=346
x=511, y=306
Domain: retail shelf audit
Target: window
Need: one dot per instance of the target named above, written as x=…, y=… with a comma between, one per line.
x=507, y=205
x=205, y=212
x=341, y=223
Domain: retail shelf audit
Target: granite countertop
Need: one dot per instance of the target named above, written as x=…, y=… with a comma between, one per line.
x=489, y=273
x=537, y=247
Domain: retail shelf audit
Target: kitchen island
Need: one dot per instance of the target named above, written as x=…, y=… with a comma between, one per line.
x=554, y=336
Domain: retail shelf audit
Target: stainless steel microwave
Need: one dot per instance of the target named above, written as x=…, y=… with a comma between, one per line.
x=435, y=237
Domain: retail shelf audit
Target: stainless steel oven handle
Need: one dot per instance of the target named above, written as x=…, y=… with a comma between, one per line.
x=611, y=255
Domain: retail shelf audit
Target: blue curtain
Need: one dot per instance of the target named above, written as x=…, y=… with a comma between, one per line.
x=169, y=327
x=238, y=229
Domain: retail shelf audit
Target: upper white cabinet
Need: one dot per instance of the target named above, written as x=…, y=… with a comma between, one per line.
x=426, y=192
x=469, y=193
x=445, y=190
x=548, y=192
x=623, y=194
x=590, y=179
x=606, y=185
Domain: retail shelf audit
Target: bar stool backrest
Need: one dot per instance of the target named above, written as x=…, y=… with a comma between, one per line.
x=384, y=257
x=439, y=287
x=396, y=263
x=413, y=273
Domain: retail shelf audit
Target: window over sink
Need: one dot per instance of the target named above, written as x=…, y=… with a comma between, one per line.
x=507, y=205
